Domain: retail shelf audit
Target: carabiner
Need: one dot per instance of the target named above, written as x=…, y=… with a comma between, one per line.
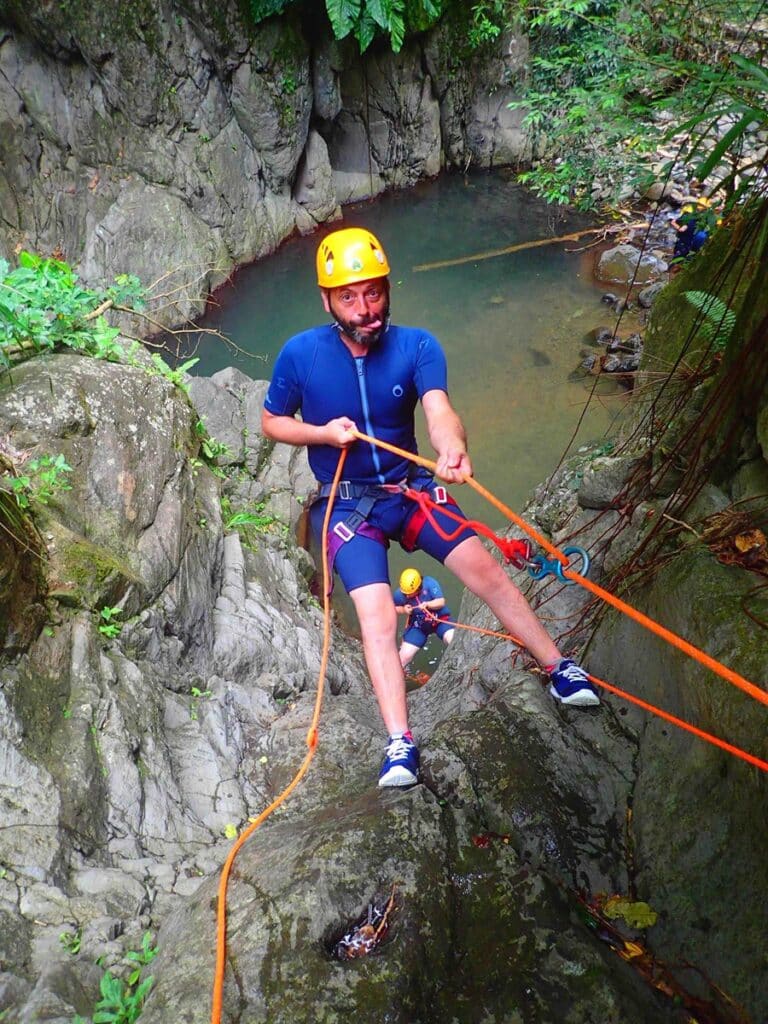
x=541, y=566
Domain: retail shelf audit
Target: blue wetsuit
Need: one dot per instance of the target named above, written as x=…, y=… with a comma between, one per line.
x=316, y=374
x=422, y=623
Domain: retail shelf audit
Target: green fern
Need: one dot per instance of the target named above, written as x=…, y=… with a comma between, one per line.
x=718, y=319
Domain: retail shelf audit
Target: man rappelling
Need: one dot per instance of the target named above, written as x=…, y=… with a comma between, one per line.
x=362, y=372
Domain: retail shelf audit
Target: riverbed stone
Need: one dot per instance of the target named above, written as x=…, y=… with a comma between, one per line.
x=647, y=296
x=625, y=264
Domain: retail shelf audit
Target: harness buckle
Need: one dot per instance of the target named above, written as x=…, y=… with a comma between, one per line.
x=439, y=495
x=343, y=532
x=344, y=491
x=354, y=521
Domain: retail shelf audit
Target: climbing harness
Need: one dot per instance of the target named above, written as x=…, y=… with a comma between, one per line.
x=366, y=496
x=355, y=523
x=539, y=567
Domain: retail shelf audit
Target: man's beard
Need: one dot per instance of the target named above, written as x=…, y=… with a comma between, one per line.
x=352, y=328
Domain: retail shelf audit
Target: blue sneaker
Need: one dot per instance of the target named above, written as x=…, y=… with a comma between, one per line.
x=571, y=685
x=401, y=763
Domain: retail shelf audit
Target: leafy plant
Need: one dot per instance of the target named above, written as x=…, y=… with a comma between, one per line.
x=209, y=446
x=121, y=1001
x=71, y=941
x=175, y=376
x=251, y=522
x=363, y=19
x=197, y=696
x=43, y=307
x=611, y=82
x=488, y=19
x=109, y=627
x=718, y=319
x=141, y=957
x=43, y=477
x=740, y=99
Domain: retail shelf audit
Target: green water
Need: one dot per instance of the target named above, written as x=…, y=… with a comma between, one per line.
x=512, y=327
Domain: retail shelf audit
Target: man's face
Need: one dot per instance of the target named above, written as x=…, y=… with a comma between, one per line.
x=361, y=309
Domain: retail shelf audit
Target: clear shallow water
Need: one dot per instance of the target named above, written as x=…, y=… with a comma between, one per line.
x=512, y=326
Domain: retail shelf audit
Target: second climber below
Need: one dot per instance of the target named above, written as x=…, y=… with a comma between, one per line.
x=361, y=373
x=421, y=599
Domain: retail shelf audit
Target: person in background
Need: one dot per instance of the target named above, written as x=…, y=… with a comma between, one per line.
x=362, y=374
x=422, y=600
x=693, y=227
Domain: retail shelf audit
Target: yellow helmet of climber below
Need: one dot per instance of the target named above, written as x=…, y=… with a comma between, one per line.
x=410, y=581
x=349, y=256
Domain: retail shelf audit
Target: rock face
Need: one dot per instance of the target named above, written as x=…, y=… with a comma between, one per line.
x=175, y=141
x=127, y=758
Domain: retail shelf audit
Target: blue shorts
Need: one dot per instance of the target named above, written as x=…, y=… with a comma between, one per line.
x=418, y=636
x=361, y=560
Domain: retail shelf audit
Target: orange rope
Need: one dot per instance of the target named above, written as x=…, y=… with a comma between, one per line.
x=478, y=629
x=750, y=758
x=661, y=631
x=312, y=738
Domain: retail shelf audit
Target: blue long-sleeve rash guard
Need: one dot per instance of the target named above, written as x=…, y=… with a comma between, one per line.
x=316, y=374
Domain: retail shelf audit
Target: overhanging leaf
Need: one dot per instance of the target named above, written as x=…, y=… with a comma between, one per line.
x=734, y=132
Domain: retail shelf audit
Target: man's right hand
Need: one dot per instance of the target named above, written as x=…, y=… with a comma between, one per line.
x=340, y=432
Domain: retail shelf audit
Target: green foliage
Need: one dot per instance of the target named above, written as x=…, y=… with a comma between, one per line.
x=718, y=319
x=739, y=98
x=197, y=696
x=251, y=523
x=71, y=941
x=175, y=376
x=43, y=307
x=121, y=1001
x=210, y=448
x=489, y=17
x=261, y=9
x=141, y=957
x=40, y=481
x=611, y=81
x=257, y=519
x=364, y=19
x=108, y=626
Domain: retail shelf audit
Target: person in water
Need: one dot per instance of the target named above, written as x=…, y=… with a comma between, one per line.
x=361, y=373
x=422, y=600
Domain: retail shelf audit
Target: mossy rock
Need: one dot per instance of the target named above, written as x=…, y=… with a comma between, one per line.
x=83, y=574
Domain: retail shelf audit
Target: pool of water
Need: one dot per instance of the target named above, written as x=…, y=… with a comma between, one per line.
x=512, y=326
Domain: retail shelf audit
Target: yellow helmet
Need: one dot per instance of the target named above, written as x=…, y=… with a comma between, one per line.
x=349, y=256
x=410, y=581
